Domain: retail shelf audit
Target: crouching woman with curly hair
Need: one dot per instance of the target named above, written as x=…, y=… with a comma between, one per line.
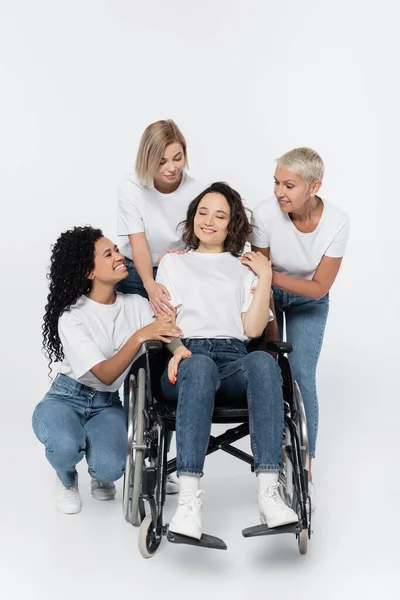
x=95, y=333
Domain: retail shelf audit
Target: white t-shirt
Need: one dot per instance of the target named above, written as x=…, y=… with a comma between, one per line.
x=295, y=253
x=91, y=332
x=142, y=208
x=210, y=292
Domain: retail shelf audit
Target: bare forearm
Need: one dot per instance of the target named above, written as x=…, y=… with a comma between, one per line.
x=257, y=316
x=109, y=370
x=272, y=332
x=142, y=258
x=302, y=287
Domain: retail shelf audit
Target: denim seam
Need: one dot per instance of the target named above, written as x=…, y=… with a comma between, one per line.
x=267, y=467
x=46, y=439
x=250, y=413
x=315, y=357
x=89, y=447
x=185, y=471
x=315, y=362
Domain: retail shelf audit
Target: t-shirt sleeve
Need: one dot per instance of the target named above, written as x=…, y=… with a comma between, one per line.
x=250, y=281
x=130, y=219
x=337, y=247
x=259, y=236
x=80, y=349
x=164, y=276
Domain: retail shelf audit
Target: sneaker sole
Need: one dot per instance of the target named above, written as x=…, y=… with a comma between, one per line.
x=103, y=498
x=273, y=524
x=70, y=511
x=181, y=531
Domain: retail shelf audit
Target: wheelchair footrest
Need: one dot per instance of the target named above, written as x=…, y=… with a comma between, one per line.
x=258, y=530
x=206, y=541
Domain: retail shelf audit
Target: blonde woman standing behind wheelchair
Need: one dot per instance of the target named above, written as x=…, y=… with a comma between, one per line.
x=305, y=237
x=151, y=203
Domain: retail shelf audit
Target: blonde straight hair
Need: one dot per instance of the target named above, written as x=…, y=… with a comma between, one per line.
x=156, y=137
x=305, y=162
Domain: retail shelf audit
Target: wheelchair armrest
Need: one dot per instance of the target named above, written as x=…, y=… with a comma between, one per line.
x=152, y=346
x=279, y=347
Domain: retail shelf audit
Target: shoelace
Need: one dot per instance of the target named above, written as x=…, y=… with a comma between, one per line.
x=273, y=493
x=191, y=502
x=69, y=492
x=102, y=484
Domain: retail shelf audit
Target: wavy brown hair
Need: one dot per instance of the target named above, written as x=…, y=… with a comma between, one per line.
x=239, y=227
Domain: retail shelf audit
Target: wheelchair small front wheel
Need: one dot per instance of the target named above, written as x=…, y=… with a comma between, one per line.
x=302, y=541
x=148, y=541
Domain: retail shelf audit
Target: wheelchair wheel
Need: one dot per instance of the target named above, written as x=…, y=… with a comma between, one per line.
x=136, y=447
x=301, y=425
x=302, y=541
x=148, y=540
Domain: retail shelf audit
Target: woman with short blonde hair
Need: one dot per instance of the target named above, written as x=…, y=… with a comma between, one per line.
x=156, y=137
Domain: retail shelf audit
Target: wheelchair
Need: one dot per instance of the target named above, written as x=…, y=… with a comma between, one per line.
x=147, y=465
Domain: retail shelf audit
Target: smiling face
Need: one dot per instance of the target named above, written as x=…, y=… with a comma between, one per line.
x=109, y=263
x=170, y=169
x=291, y=191
x=211, y=221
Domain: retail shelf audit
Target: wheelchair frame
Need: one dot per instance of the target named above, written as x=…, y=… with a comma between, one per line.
x=147, y=465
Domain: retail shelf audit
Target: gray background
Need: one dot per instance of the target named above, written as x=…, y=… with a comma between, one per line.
x=245, y=81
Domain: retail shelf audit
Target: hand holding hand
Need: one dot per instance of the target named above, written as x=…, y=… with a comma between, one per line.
x=162, y=331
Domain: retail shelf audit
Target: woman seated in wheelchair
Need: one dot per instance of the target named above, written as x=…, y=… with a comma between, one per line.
x=96, y=334
x=211, y=289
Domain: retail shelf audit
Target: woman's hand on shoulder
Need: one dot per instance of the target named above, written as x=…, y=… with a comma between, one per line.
x=172, y=252
x=180, y=354
x=158, y=297
x=258, y=263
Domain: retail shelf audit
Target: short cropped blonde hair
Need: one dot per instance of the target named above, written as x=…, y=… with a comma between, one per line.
x=156, y=137
x=305, y=162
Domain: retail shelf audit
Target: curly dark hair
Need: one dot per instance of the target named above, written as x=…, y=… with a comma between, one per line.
x=72, y=259
x=239, y=227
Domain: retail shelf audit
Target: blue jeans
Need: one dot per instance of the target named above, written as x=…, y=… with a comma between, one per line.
x=133, y=284
x=73, y=420
x=305, y=325
x=252, y=380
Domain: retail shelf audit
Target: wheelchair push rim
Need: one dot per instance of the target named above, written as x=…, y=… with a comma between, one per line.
x=136, y=447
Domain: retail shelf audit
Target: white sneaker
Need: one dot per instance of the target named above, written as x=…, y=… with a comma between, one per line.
x=273, y=510
x=102, y=490
x=68, y=499
x=187, y=519
x=172, y=485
